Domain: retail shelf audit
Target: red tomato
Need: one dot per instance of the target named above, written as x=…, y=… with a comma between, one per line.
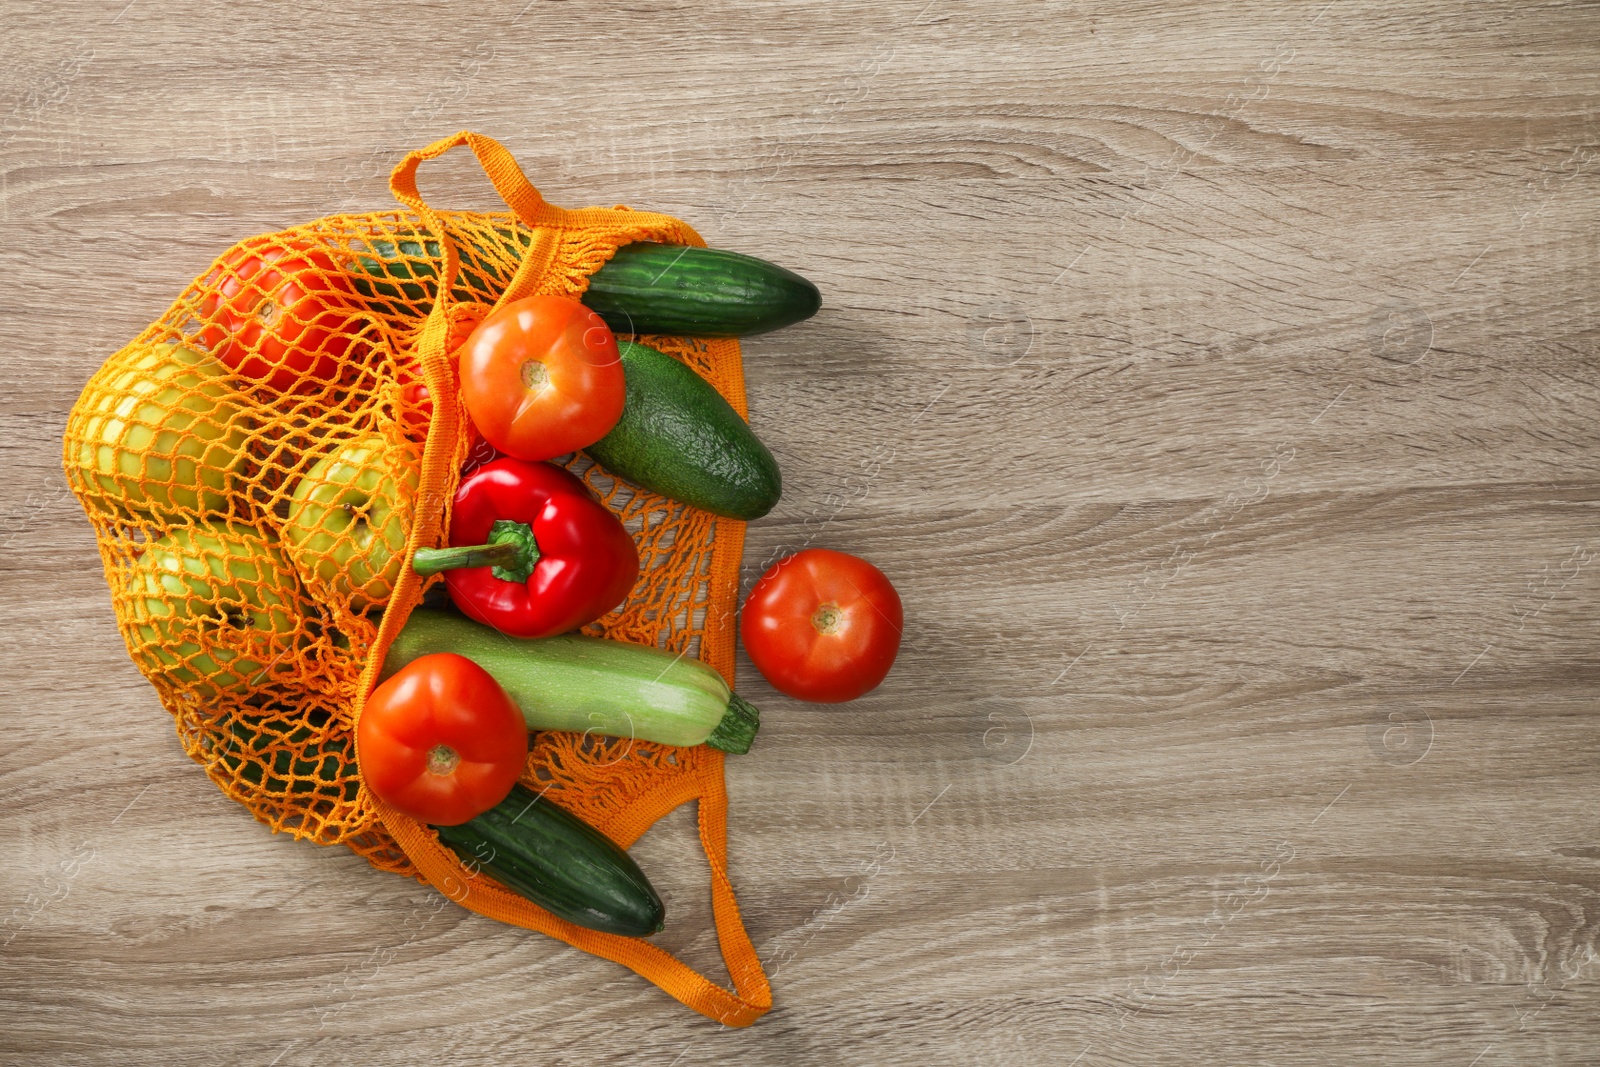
x=441, y=741
x=279, y=315
x=416, y=403
x=822, y=625
x=541, y=377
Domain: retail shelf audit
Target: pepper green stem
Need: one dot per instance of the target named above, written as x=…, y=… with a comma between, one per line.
x=434, y=560
x=512, y=552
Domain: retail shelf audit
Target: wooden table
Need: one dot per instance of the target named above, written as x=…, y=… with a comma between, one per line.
x=1217, y=382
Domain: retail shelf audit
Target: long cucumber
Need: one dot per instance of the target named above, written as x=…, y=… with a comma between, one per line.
x=589, y=684
x=697, y=292
x=644, y=288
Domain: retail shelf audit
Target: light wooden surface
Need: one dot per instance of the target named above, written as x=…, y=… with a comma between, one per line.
x=1217, y=382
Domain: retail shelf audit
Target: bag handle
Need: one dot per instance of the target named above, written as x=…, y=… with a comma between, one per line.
x=432, y=354
x=498, y=163
x=751, y=996
x=545, y=220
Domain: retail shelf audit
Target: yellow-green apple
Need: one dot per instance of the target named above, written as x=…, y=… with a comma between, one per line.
x=349, y=518
x=163, y=435
x=213, y=609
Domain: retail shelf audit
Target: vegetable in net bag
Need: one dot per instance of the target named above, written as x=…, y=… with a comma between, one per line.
x=261, y=462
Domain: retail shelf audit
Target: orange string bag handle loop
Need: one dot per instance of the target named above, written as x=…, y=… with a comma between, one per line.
x=752, y=995
x=545, y=220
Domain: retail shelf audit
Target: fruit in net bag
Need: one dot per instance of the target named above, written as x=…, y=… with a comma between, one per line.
x=213, y=610
x=348, y=520
x=163, y=437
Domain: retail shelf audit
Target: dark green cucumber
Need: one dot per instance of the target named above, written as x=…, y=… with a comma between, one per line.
x=561, y=863
x=406, y=269
x=680, y=438
x=697, y=292
x=258, y=760
x=531, y=846
x=644, y=288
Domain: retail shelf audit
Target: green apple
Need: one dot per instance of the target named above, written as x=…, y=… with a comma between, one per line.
x=349, y=518
x=162, y=434
x=213, y=610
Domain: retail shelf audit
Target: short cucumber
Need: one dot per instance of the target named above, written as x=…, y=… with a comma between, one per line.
x=644, y=288
x=589, y=684
x=680, y=438
x=561, y=863
x=530, y=845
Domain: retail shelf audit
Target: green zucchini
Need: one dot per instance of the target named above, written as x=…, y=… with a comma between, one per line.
x=530, y=845
x=680, y=438
x=589, y=684
x=561, y=863
x=644, y=288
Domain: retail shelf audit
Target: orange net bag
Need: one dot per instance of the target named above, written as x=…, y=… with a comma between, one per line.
x=255, y=530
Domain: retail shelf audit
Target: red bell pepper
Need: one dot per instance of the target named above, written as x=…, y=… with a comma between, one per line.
x=532, y=553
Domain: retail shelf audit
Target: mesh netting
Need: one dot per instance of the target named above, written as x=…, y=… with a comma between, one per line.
x=249, y=535
x=255, y=526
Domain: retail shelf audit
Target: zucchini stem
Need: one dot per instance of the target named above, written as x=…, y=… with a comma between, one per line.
x=737, y=728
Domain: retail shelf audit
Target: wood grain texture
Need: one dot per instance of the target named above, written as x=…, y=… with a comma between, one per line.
x=1217, y=382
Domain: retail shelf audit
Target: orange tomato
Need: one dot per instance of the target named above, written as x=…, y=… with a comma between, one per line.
x=541, y=377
